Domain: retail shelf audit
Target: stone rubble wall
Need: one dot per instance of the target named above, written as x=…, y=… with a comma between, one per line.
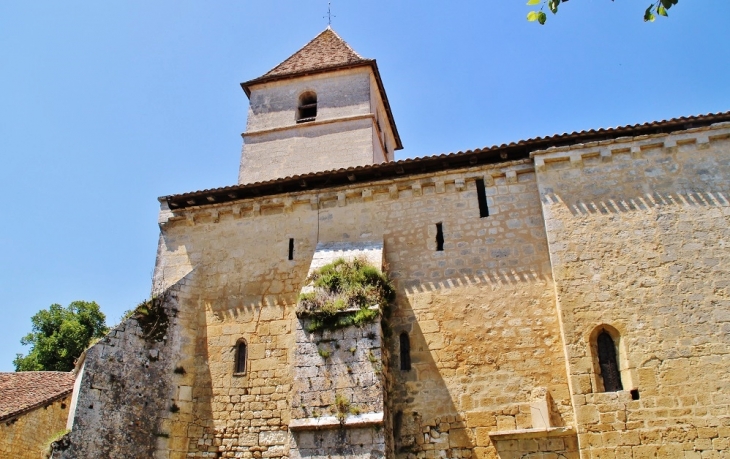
x=129, y=390
x=638, y=230
x=345, y=364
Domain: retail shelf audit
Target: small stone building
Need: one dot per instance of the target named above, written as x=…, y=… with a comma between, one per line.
x=557, y=297
x=34, y=405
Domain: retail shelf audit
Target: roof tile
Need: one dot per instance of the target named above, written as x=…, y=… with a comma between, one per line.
x=326, y=50
x=24, y=390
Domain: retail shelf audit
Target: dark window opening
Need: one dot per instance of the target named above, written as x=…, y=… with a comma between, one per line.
x=307, y=110
x=291, y=248
x=634, y=394
x=241, y=357
x=397, y=425
x=439, y=237
x=482, y=197
x=608, y=363
x=405, y=352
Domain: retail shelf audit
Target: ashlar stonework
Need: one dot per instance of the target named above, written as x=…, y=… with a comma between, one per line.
x=510, y=264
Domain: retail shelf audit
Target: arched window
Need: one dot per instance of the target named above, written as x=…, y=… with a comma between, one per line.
x=241, y=352
x=307, y=110
x=405, y=352
x=608, y=363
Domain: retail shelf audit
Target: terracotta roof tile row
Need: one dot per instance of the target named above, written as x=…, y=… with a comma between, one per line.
x=25, y=390
x=395, y=169
x=326, y=50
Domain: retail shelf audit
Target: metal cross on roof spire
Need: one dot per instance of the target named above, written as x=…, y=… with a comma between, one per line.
x=329, y=13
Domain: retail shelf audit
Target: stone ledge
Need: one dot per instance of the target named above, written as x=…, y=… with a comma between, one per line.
x=521, y=434
x=331, y=422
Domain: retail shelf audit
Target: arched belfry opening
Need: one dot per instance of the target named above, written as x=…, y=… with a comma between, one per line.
x=608, y=362
x=307, y=108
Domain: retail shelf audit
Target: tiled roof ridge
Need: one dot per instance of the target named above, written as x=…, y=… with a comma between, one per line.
x=307, y=49
x=535, y=143
x=60, y=384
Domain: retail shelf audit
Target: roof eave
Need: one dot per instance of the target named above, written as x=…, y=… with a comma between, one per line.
x=414, y=166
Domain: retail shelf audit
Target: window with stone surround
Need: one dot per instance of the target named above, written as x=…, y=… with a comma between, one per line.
x=611, y=373
x=307, y=109
x=241, y=354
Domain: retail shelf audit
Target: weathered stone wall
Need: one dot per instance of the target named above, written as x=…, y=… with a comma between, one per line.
x=480, y=313
x=129, y=394
x=638, y=231
x=341, y=136
x=27, y=436
x=340, y=94
x=339, y=386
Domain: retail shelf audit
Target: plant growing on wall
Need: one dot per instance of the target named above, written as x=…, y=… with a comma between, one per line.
x=344, y=293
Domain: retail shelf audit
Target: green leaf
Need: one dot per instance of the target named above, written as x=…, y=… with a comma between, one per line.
x=666, y=4
x=553, y=5
x=533, y=2
x=661, y=11
x=541, y=18
x=648, y=16
x=532, y=16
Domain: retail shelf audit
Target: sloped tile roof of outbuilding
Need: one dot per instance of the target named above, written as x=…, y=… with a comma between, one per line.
x=23, y=391
x=425, y=164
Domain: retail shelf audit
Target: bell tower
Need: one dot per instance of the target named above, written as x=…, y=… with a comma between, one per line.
x=323, y=108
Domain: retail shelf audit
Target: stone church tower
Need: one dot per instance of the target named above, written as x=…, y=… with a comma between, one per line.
x=323, y=108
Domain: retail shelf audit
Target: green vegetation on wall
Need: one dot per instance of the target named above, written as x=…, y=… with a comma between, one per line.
x=344, y=293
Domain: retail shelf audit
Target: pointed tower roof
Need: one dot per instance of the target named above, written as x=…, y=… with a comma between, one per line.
x=327, y=50
x=324, y=53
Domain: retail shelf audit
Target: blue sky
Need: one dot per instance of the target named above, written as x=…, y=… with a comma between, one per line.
x=105, y=106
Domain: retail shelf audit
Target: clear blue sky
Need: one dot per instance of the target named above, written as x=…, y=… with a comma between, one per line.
x=104, y=106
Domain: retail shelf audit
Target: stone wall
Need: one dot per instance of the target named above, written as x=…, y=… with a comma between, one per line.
x=638, y=231
x=342, y=135
x=338, y=395
x=480, y=314
x=28, y=435
x=130, y=390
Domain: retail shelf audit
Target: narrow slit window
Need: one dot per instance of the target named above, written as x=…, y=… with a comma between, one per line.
x=307, y=110
x=397, y=425
x=439, y=237
x=241, y=357
x=482, y=197
x=291, y=248
x=405, y=352
x=608, y=363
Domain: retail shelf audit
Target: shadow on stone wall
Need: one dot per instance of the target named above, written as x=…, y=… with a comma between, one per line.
x=413, y=428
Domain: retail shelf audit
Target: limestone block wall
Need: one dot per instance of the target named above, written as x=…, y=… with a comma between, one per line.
x=27, y=436
x=638, y=231
x=480, y=313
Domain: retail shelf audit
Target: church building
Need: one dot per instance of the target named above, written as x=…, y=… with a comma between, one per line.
x=557, y=297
